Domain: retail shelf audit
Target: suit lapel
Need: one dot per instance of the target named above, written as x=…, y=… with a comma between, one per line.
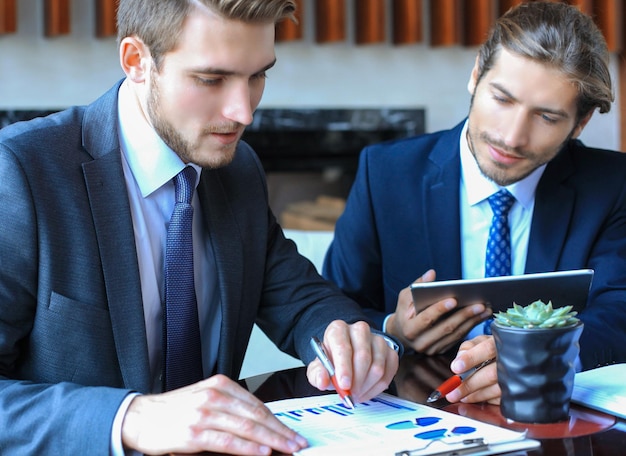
x=106, y=187
x=552, y=216
x=441, y=206
x=228, y=252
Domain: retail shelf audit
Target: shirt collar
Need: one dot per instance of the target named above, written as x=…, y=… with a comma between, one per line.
x=151, y=161
x=482, y=187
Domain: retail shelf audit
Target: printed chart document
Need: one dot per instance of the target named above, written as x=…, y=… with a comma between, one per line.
x=602, y=389
x=387, y=425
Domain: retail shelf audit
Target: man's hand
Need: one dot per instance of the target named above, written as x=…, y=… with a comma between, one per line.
x=483, y=385
x=215, y=415
x=435, y=329
x=363, y=361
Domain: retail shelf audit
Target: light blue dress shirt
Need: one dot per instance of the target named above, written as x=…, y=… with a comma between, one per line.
x=149, y=166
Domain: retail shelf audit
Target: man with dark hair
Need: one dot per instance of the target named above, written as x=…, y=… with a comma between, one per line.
x=421, y=206
x=122, y=328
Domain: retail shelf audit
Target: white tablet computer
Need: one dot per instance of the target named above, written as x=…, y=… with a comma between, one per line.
x=563, y=288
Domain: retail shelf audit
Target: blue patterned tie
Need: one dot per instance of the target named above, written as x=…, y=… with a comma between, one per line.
x=182, y=348
x=498, y=259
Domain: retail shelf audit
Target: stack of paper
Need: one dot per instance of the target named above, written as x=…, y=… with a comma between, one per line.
x=387, y=425
x=602, y=389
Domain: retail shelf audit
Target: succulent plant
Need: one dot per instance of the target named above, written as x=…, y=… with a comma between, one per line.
x=537, y=315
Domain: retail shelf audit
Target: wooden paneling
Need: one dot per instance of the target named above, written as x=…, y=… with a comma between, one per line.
x=445, y=22
x=479, y=17
x=56, y=17
x=621, y=101
x=8, y=16
x=289, y=30
x=609, y=16
x=369, y=21
x=505, y=5
x=105, y=18
x=330, y=20
x=407, y=21
x=586, y=6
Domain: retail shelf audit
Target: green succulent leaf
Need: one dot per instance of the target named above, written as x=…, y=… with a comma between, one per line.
x=537, y=315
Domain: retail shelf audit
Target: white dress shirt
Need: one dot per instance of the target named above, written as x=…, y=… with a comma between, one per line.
x=476, y=214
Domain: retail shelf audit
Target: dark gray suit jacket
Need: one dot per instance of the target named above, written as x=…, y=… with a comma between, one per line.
x=72, y=331
x=402, y=218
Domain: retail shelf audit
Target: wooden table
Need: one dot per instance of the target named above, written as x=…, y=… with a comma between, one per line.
x=586, y=433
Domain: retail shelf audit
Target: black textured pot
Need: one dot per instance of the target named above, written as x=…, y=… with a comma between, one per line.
x=536, y=371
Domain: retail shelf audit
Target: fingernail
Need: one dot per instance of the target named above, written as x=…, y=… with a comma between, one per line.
x=458, y=366
x=454, y=396
x=318, y=379
x=477, y=309
x=302, y=442
x=450, y=304
x=344, y=382
x=293, y=446
x=264, y=449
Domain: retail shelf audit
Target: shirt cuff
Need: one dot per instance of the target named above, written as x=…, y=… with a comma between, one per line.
x=117, y=448
x=392, y=342
x=384, y=328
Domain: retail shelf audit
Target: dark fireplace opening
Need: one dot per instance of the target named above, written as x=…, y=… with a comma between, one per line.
x=311, y=154
x=308, y=153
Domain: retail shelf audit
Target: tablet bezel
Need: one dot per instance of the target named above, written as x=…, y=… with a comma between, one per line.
x=563, y=288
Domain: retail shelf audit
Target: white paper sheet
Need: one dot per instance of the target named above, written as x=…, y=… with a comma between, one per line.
x=389, y=425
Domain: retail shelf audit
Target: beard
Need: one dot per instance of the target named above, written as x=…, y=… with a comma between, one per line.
x=188, y=151
x=502, y=174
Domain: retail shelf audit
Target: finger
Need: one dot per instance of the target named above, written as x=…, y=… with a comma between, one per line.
x=384, y=365
x=449, y=330
x=244, y=417
x=364, y=356
x=480, y=387
x=475, y=355
x=436, y=328
x=338, y=343
x=428, y=276
x=234, y=433
x=221, y=394
x=318, y=375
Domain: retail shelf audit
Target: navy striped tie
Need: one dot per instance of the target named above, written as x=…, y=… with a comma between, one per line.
x=182, y=347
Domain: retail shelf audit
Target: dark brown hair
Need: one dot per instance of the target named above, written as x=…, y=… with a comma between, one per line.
x=561, y=36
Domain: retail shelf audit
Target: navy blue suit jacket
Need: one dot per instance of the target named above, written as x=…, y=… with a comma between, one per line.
x=402, y=218
x=72, y=330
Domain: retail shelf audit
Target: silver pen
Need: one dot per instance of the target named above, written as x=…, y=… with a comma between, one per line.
x=345, y=395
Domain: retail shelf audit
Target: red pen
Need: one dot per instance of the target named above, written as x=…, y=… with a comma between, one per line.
x=345, y=395
x=455, y=381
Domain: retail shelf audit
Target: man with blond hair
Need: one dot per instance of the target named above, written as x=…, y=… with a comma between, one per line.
x=122, y=329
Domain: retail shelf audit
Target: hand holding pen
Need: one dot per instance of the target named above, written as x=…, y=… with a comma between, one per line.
x=455, y=381
x=320, y=351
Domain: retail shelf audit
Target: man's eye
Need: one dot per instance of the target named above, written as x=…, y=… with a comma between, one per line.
x=262, y=75
x=549, y=119
x=208, y=81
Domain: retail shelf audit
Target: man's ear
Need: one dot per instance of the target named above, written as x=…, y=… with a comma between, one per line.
x=135, y=59
x=473, y=80
x=578, y=129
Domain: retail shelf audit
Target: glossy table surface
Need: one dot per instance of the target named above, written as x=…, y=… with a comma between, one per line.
x=587, y=432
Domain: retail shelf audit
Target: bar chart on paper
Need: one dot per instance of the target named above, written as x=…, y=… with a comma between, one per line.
x=389, y=425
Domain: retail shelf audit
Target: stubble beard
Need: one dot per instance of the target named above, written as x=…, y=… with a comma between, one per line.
x=188, y=151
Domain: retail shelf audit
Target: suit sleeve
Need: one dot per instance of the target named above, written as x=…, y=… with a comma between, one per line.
x=353, y=260
x=38, y=417
x=604, y=337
